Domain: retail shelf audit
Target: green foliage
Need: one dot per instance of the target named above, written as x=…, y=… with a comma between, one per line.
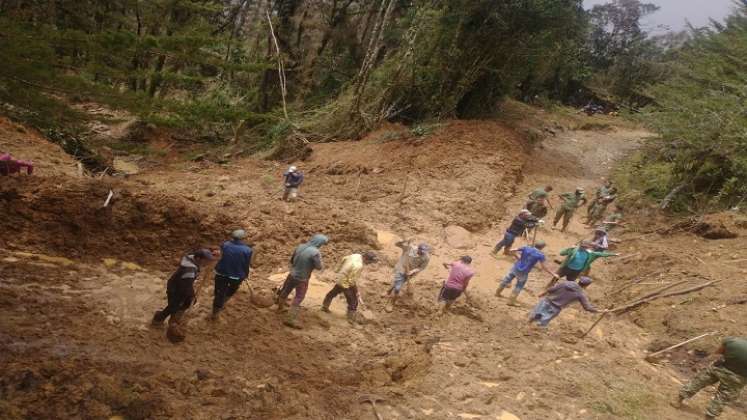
x=162, y=60
x=451, y=71
x=700, y=114
x=622, y=56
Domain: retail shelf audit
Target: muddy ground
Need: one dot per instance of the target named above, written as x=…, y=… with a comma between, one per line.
x=78, y=285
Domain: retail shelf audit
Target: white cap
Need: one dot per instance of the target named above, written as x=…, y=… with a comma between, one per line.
x=238, y=234
x=292, y=169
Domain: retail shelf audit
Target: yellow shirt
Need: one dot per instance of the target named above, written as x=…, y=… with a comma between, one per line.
x=350, y=270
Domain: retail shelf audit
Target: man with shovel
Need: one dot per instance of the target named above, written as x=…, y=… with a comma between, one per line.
x=293, y=179
x=305, y=259
x=529, y=256
x=571, y=202
x=730, y=372
x=539, y=201
x=348, y=272
x=232, y=269
x=414, y=259
x=558, y=297
x=180, y=292
x=523, y=221
x=460, y=273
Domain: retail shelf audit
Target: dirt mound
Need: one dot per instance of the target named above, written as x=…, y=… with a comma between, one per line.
x=27, y=144
x=713, y=226
x=460, y=174
x=67, y=218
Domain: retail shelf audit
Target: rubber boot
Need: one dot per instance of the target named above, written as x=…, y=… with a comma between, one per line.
x=325, y=309
x=512, y=299
x=215, y=316
x=175, y=333
x=499, y=291
x=292, y=319
x=352, y=317
x=158, y=319
x=390, y=303
x=282, y=304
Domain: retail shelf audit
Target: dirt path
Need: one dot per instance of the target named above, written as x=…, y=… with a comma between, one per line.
x=75, y=336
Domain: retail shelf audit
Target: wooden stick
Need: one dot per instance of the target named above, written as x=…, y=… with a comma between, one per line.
x=108, y=198
x=659, y=296
x=652, y=355
x=594, y=324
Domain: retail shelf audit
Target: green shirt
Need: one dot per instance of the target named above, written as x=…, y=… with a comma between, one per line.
x=735, y=355
x=571, y=201
x=570, y=255
x=537, y=194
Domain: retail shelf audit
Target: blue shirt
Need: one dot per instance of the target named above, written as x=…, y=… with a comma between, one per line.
x=579, y=259
x=529, y=257
x=293, y=179
x=235, y=259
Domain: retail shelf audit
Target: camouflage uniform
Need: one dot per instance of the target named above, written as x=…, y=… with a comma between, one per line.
x=730, y=384
x=571, y=201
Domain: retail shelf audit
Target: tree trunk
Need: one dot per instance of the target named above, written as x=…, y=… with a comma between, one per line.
x=373, y=51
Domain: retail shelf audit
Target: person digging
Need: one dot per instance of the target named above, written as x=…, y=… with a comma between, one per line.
x=180, y=293
x=570, y=202
x=603, y=191
x=413, y=260
x=348, y=273
x=730, y=372
x=460, y=273
x=232, y=269
x=558, y=297
x=599, y=208
x=305, y=259
x=293, y=179
x=523, y=221
x=578, y=260
x=539, y=201
x=526, y=258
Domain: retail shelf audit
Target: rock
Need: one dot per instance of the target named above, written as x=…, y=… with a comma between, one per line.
x=458, y=237
x=262, y=298
x=202, y=374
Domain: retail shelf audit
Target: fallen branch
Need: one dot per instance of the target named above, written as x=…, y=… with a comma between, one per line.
x=601, y=317
x=660, y=290
x=670, y=348
x=655, y=295
x=637, y=281
x=740, y=301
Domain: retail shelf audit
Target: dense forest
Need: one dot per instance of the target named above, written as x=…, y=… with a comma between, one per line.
x=260, y=71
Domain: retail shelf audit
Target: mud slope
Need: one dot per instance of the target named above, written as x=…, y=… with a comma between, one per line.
x=78, y=286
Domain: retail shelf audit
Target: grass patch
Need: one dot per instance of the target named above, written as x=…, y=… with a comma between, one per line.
x=629, y=402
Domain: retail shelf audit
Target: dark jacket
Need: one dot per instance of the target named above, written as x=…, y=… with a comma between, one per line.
x=235, y=260
x=183, y=280
x=519, y=224
x=293, y=179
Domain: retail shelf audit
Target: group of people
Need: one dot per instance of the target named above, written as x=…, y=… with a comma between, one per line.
x=567, y=284
x=576, y=266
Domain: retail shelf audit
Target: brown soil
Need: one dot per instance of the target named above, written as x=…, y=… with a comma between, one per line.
x=80, y=283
